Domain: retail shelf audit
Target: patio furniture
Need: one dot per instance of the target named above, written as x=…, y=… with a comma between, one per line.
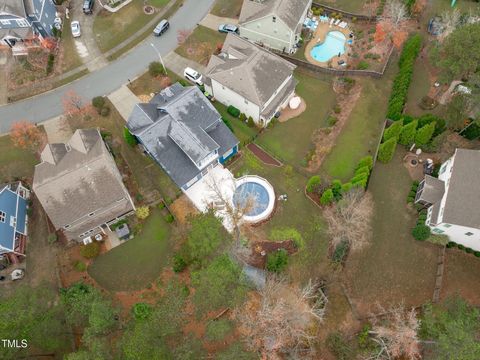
x=337, y=22
x=331, y=22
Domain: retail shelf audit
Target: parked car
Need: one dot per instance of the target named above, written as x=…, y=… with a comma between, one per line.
x=88, y=6
x=193, y=75
x=75, y=26
x=228, y=28
x=161, y=27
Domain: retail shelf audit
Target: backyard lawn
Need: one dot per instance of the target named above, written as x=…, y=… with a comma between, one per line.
x=14, y=163
x=138, y=262
x=418, y=89
x=201, y=44
x=111, y=29
x=361, y=133
x=353, y=6
x=290, y=141
x=395, y=267
x=227, y=8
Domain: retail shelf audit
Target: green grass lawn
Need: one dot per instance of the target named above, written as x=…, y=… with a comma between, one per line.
x=360, y=135
x=138, y=262
x=111, y=29
x=201, y=44
x=395, y=267
x=242, y=131
x=227, y=8
x=353, y=6
x=14, y=162
x=418, y=89
x=290, y=141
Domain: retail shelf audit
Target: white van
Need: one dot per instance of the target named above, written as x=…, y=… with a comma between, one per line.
x=193, y=75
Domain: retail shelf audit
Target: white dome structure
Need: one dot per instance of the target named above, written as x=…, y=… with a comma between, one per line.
x=295, y=102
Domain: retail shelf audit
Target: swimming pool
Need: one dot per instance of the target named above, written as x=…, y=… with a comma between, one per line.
x=256, y=196
x=333, y=45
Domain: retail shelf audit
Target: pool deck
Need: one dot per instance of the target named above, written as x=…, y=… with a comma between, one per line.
x=319, y=37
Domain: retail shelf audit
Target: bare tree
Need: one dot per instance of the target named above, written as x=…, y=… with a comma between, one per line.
x=396, y=333
x=395, y=13
x=283, y=319
x=350, y=219
x=450, y=21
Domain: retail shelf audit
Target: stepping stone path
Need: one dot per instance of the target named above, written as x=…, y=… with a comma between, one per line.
x=439, y=276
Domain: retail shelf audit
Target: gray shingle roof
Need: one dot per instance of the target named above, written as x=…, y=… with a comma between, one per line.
x=77, y=179
x=251, y=71
x=178, y=128
x=433, y=190
x=290, y=11
x=13, y=7
x=463, y=197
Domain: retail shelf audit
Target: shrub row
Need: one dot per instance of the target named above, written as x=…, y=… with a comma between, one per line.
x=402, y=81
x=468, y=250
x=413, y=193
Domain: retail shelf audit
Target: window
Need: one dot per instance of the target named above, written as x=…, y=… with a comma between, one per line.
x=447, y=225
x=22, y=23
x=443, y=168
x=469, y=233
x=2, y=216
x=274, y=19
x=5, y=22
x=66, y=226
x=437, y=231
x=91, y=214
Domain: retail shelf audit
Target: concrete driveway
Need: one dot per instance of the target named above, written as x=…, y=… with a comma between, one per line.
x=109, y=78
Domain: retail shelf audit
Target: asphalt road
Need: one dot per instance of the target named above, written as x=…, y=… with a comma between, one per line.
x=102, y=82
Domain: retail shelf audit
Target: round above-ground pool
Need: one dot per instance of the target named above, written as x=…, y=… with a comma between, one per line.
x=333, y=45
x=256, y=196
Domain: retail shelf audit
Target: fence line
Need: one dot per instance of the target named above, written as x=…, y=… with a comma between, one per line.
x=329, y=9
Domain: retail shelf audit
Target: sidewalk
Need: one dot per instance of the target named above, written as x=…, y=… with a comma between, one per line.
x=213, y=21
x=177, y=64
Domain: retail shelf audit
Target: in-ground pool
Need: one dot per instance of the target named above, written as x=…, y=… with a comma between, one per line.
x=333, y=45
x=256, y=196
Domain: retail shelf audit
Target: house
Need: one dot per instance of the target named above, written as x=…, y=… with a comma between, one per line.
x=452, y=199
x=80, y=187
x=22, y=20
x=182, y=131
x=276, y=24
x=251, y=78
x=13, y=219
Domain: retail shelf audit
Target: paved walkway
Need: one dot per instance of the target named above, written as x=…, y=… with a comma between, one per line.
x=124, y=100
x=178, y=63
x=212, y=21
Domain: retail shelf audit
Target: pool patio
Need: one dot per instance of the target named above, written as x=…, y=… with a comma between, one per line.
x=319, y=37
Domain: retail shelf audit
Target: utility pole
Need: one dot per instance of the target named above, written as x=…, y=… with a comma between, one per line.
x=160, y=56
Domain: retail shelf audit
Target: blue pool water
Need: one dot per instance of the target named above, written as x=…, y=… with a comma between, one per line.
x=256, y=192
x=333, y=45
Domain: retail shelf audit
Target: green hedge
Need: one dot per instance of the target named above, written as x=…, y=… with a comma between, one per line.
x=402, y=81
x=387, y=150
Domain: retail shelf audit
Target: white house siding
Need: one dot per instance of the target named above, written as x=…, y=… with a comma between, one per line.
x=276, y=35
x=458, y=235
x=445, y=174
x=228, y=97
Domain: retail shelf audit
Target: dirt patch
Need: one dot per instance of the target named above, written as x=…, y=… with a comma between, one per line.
x=265, y=157
x=324, y=139
x=289, y=113
x=260, y=250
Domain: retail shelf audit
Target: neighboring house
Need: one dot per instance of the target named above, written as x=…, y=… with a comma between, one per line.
x=182, y=131
x=275, y=24
x=13, y=219
x=452, y=199
x=80, y=187
x=22, y=20
x=251, y=78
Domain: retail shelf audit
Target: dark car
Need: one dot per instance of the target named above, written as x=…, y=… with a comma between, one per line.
x=228, y=28
x=161, y=27
x=88, y=6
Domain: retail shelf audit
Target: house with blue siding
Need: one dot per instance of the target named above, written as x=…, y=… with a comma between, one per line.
x=183, y=132
x=13, y=218
x=22, y=20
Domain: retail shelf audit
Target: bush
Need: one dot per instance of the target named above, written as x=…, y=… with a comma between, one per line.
x=426, y=119
x=363, y=65
x=340, y=252
x=451, y=244
x=98, y=102
x=360, y=180
x=277, y=261
x=313, y=184
x=424, y=134
x=179, y=263
x=469, y=250
x=129, y=138
x=161, y=205
x=421, y=232
x=366, y=161
x=362, y=170
x=105, y=111
x=155, y=68
x=393, y=131
x=347, y=187
x=337, y=109
x=52, y=238
x=332, y=120
x=337, y=189
x=232, y=110
x=143, y=212
x=141, y=311
x=51, y=60
x=327, y=197
x=80, y=266
x=91, y=250
x=387, y=150
x=339, y=346
x=476, y=253
x=243, y=117
x=251, y=123
x=169, y=218
x=460, y=246
x=402, y=80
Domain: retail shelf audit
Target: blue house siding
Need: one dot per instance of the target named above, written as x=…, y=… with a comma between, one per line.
x=14, y=207
x=224, y=158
